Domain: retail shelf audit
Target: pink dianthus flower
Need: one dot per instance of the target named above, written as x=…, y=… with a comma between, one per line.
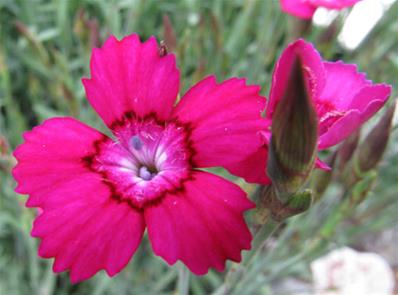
x=305, y=9
x=98, y=194
x=343, y=99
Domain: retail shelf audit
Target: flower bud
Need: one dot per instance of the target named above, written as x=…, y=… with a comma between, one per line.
x=169, y=34
x=4, y=146
x=294, y=137
x=372, y=149
x=87, y=29
x=362, y=188
x=298, y=202
x=6, y=160
x=347, y=149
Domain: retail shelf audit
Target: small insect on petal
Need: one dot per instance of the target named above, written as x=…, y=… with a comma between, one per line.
x=163, y=49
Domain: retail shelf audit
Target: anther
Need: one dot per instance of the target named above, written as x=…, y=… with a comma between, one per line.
x=144, y=173
x=137, y=143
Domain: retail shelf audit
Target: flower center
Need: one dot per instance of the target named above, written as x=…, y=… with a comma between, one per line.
x=146, y=163
x=148, y=160
x=146, y=173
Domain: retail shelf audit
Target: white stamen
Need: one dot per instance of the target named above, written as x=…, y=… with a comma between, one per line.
x=144, y=173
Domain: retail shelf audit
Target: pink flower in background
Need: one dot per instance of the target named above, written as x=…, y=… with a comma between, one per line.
x=98, y=194
x=306, y=8
x=343, y=98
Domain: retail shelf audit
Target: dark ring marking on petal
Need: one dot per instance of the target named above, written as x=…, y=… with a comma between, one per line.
x=127, y=117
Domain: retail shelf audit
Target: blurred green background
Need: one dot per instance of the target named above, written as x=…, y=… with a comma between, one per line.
x=45, y=48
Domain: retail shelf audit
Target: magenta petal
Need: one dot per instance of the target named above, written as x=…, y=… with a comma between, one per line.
x=253, y=168
x=305, y=9
x=311, y=60
x=340, y=130
x=88, y=231
x=377, y=94
x=130, y=76
x=81, y=226
x=52, y=153
x=342, y=84
x=364, y=105
x=300, y=8
x=322, y=165
x=202, y=225
x=333, y=4
x=225, y=120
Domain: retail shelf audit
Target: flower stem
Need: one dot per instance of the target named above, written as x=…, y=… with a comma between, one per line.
x=237, y=271
x=260, y=238
x=183, y=280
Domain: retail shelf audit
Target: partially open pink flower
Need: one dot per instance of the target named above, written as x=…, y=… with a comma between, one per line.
x=343, y=98
x=306, y=8
x=98, y=194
